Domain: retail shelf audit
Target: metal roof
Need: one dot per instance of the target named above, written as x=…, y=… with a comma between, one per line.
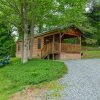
x=60, y=28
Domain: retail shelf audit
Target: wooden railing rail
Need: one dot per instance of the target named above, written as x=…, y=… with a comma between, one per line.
x=48, y=49
x=57, y=47
x=68, y=48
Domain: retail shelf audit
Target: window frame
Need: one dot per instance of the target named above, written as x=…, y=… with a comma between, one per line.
x=39, y=43
x=19, y=47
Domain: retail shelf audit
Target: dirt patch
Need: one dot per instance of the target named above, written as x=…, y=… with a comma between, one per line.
x=30, y=93
x=38, y=92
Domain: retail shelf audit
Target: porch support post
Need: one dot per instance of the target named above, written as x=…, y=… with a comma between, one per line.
x=60, y=44
x=53, y=46
x=62, y=35
x=80, y=44
x=48, y=57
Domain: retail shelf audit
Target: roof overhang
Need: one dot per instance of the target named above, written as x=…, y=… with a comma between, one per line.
x=71, y=31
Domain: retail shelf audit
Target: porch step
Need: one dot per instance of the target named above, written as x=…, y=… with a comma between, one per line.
x=50, y=56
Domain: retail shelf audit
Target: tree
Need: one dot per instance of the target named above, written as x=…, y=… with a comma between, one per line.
x=7, y=44
x=24, y=18
x=19, y=8
x=94, y=19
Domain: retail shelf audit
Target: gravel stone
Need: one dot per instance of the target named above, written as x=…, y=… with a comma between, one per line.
x=82, y=82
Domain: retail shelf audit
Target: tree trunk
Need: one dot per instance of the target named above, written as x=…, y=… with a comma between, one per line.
x=32, y=40
x=25, y=48
x=32, y=32
x=24, y=18
x=22, y=29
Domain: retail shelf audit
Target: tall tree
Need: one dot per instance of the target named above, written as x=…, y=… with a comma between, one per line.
x=24, y=18
x=94, y=18
x=19, y=8
x=7, y=43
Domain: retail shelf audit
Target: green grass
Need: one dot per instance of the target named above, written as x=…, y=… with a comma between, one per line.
x=87, y=48
x=91, y=52
x=16, y=75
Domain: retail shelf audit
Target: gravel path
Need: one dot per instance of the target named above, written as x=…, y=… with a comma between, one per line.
x=82, y=81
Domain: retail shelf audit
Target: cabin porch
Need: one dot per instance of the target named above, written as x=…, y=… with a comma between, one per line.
x=67, y=51
x=55, y=47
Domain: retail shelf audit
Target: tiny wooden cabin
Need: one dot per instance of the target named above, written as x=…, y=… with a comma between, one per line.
x=51, y=45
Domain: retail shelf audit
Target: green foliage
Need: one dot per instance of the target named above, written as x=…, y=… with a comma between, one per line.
x=94, y=20
x=7, y=44
x=62, y=13
x=91, y=54
x=72, y=41
x=91, y=41
x=48, y=14
x=17, y=75
x=90, y=48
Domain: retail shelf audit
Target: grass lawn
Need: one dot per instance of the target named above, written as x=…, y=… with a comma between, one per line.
x=91, y=52
x=16, y=76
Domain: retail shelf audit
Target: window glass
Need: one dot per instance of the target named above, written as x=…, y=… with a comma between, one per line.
x=39, y=43
x=18, y=47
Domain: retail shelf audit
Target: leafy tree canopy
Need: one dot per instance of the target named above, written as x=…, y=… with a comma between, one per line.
x=7, y=44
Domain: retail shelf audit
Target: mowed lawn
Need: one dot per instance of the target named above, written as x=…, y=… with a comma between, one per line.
x=91, y=52
x=16, y=76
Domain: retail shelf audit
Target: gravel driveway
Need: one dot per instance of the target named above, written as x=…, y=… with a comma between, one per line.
x=82, y=81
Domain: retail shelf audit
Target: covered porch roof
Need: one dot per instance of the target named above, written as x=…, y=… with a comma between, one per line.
x=66, y=32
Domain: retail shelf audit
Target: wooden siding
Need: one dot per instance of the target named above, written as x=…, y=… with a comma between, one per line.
x=70, y=48
x=36, y=51
x=18, y=49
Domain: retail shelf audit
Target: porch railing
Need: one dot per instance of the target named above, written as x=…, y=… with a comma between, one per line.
x=55, y=48
x=70, y=48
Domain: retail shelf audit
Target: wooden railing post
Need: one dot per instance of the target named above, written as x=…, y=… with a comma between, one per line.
x=41, y=53
x=80, y=45
x=53, y=46
x=60, y=45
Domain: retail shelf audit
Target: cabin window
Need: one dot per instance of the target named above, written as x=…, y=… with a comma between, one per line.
x=39, y=43
x=18, y=47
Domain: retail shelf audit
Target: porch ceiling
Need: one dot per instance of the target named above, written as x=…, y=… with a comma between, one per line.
x=68, y=36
